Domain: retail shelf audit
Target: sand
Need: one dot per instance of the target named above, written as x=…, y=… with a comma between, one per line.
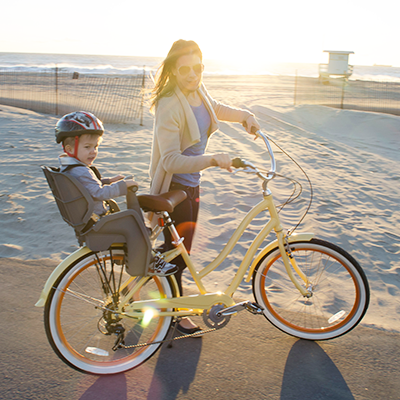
x=351, y=157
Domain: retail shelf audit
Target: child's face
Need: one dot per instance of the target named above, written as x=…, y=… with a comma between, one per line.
x=88, y=148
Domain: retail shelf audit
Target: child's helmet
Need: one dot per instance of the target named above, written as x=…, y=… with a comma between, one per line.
x=76, y=124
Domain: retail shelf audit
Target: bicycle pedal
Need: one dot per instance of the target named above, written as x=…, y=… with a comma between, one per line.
x=254, y=308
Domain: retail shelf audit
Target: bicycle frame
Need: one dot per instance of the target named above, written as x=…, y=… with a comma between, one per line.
x=196, y=304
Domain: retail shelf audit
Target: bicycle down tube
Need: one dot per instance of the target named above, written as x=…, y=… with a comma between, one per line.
x=205, y=300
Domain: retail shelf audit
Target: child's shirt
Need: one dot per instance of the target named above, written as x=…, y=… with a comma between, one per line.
x=100, y=190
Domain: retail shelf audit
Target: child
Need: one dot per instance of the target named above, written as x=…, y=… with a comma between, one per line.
x=81, y=134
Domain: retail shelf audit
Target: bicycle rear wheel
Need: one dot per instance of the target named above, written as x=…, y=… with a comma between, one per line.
x=340, y=292
x=82, y=323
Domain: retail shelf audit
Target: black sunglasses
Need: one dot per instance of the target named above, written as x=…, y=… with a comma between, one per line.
x=185, y=69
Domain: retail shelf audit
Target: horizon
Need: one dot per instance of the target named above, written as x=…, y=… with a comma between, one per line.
x=205, y=59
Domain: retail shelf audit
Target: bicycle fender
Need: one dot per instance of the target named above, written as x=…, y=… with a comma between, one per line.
x=58, y=271
x=296, y=237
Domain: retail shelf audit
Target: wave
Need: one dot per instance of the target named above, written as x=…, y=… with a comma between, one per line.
x=98, y=69
x=118, y=65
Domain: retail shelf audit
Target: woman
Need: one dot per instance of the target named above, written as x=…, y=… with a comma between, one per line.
x=185, y=117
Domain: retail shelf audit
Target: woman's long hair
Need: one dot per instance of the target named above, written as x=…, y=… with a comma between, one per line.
x=165, y=80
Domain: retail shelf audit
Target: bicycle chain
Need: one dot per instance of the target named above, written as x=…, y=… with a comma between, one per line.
x=120, y=345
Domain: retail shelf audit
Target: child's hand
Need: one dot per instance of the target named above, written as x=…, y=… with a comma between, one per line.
x=131, y=182
x=116, y=178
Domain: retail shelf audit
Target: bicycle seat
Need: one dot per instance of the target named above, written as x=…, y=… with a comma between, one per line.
x=162, y=202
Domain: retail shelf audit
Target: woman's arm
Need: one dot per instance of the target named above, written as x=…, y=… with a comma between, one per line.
x=232, y=114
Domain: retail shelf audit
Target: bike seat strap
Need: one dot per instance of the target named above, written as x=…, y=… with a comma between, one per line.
x=162, y=202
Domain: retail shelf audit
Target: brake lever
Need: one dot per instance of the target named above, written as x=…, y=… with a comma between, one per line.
x=246, y=170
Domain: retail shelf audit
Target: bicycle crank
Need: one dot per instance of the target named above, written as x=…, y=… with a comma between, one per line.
x=254, y=308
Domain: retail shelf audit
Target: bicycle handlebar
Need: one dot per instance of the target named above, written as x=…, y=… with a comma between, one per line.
x=240, y=163
x=271, y=153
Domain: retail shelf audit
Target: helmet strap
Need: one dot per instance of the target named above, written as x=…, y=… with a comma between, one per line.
x=75, y=155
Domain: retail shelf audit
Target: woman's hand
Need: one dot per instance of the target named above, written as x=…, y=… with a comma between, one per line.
x=251, y=124
x=222, y=160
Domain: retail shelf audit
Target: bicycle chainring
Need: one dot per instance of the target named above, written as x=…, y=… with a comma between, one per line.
x=212, y=320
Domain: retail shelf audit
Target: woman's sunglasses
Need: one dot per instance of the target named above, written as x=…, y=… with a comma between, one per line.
x=185, y=69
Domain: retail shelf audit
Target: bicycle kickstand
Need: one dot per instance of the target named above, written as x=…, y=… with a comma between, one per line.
x=172, y=331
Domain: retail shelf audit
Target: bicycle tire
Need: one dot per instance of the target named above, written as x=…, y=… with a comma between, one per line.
x=340, y=291
x=80, y=326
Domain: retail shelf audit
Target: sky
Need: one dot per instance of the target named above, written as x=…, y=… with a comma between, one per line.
x=243, y=32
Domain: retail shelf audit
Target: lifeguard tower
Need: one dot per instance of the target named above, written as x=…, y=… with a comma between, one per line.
x=338, y=65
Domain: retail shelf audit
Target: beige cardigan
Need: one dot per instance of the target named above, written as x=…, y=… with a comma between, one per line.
x=176, y=129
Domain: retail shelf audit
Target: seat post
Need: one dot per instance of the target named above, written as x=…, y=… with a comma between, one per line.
x=177, y=240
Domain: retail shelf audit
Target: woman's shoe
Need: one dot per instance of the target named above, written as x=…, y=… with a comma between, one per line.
x=189, y=331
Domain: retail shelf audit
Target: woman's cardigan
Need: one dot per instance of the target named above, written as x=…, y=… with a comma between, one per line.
x=176, y=129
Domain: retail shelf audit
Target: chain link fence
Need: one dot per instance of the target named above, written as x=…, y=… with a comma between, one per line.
x=348, y=94
x=120, y=98
x=112, y=98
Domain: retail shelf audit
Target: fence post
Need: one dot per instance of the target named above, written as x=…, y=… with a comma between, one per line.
x=341, y=103
x=142, y=100
x=56, y=70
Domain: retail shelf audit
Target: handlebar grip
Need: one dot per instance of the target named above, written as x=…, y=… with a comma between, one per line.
x=132, y=202
x=133, y=188
x=238, y=163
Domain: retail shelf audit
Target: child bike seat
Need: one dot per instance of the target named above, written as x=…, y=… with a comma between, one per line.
x=76, y=207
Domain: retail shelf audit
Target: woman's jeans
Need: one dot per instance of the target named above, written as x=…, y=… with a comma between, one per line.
x=185, y=219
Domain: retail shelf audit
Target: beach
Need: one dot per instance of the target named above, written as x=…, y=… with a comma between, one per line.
x=351, y=157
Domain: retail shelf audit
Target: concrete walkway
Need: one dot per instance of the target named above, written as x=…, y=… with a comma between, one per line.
x=248, y=359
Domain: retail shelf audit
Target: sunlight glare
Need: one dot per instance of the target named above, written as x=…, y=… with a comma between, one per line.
x=149, y=314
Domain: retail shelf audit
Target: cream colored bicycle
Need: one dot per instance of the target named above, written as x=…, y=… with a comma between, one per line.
x=99, y=319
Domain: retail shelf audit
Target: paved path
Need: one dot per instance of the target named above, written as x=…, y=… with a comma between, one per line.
x=248, y=359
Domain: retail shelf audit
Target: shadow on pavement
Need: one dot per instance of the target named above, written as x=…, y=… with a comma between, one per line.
x=175, y=369
x=107, y=387
x=173, y=374
x=310, y=373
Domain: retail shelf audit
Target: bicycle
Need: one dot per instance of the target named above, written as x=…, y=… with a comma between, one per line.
x=99, y=319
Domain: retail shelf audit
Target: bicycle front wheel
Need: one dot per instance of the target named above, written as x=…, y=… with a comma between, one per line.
x=339, y=288
x=83, y=318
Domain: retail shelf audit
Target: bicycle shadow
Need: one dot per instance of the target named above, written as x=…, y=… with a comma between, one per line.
x=174, y=372
x=310, y=373
x=107, y=387
x=175, y=369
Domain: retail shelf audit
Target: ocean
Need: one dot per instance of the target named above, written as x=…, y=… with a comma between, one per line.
x=135, y=65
